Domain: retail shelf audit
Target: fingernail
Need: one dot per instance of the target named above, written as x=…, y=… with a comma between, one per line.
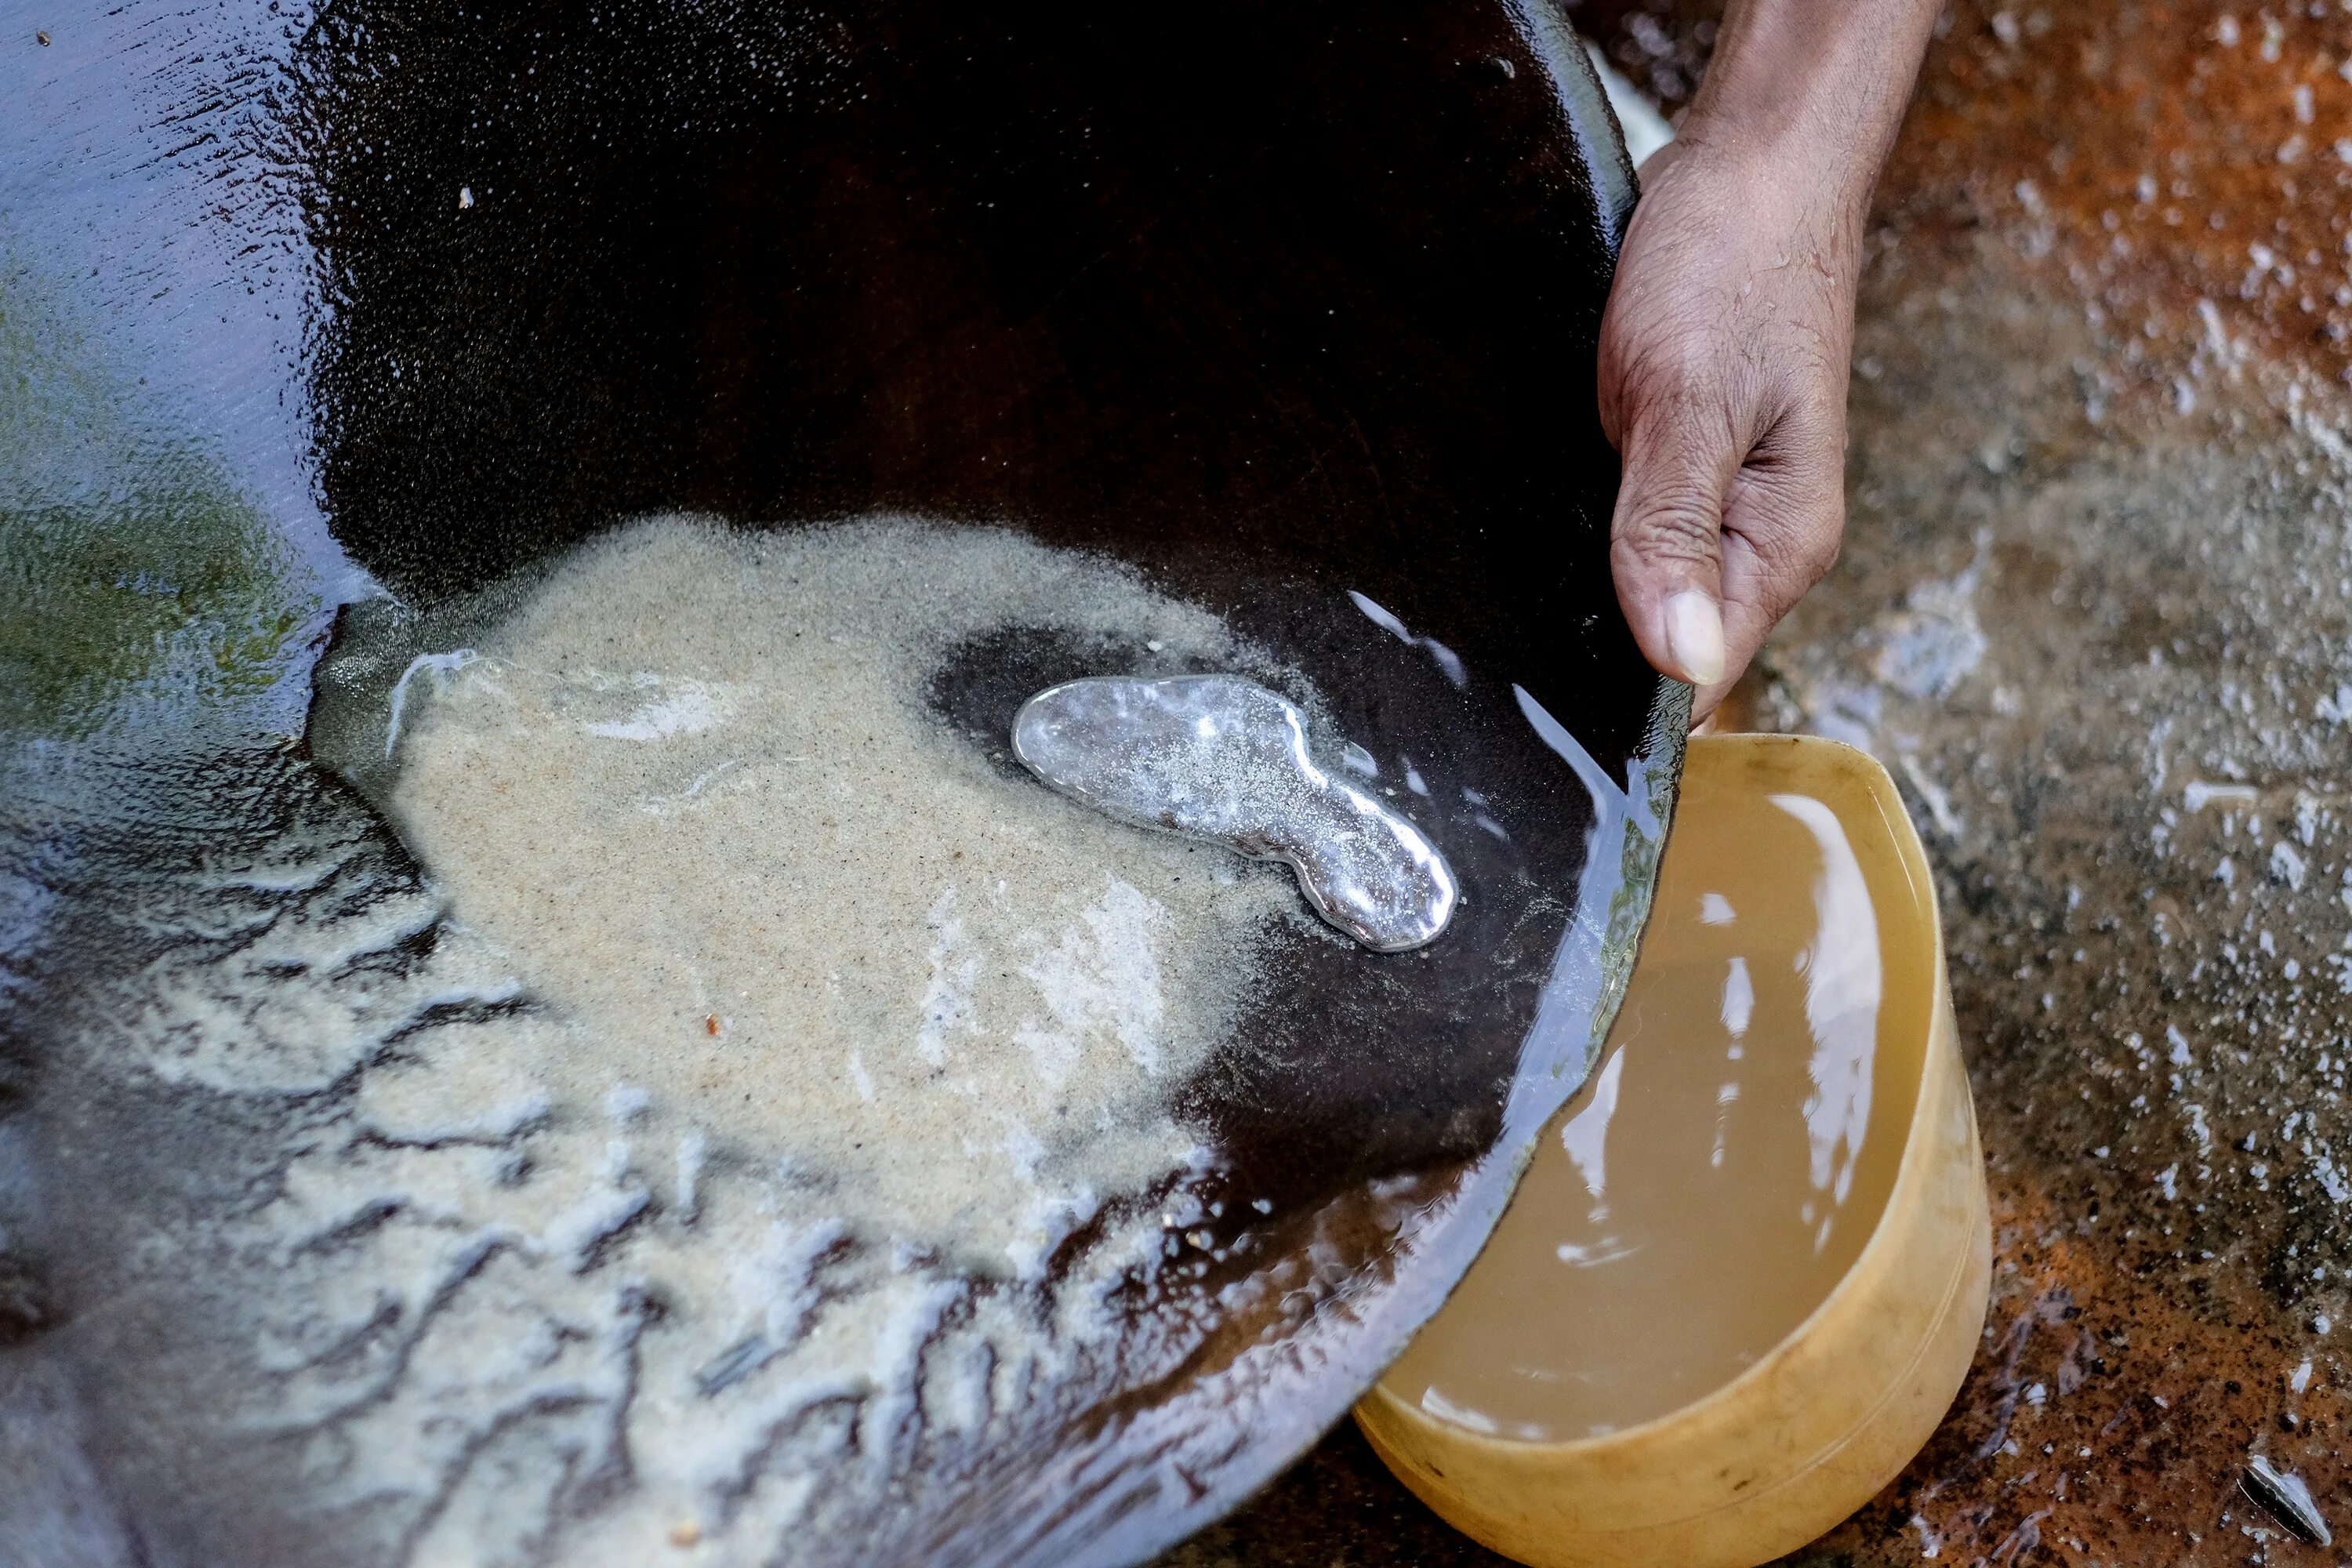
x=1694, y=636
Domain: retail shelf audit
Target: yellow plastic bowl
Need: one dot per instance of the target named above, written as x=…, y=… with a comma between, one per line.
x=1815, y=1427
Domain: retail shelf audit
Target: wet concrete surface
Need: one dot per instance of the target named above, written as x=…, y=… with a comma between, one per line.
x=2095, y=614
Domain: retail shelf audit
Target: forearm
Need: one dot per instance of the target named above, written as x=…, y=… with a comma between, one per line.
x=1812, y=91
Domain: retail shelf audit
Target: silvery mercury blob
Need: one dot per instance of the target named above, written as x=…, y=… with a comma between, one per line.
x=1221, y=758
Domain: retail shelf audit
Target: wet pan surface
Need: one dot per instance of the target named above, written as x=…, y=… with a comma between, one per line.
x=1292, y=314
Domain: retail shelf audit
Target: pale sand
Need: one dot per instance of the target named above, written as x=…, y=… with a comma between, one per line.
x=548, y=1272
x=690, y=789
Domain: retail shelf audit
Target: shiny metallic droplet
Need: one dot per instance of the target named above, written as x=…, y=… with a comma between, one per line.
x=1221, y=758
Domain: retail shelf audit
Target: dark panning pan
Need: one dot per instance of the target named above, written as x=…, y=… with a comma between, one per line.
x=1292, y=308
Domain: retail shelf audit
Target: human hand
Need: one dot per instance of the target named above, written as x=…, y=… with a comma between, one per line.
x=1723, y=384
x=1724, y=347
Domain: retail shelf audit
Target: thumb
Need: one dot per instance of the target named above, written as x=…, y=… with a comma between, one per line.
x=1666, y=537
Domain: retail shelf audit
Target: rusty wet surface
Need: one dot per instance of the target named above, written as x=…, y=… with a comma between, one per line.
x=2105, y=664
x=2095, y=614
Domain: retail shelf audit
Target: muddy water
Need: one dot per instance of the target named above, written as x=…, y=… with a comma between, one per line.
x=1732, y=1156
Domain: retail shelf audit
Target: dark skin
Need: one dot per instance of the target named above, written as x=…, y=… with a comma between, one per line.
x=1724, y=353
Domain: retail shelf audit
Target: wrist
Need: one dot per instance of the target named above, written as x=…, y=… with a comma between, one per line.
x=1802, y=98
x=1758, y=197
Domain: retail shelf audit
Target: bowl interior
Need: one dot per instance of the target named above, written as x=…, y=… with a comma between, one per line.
x=1820, y=1143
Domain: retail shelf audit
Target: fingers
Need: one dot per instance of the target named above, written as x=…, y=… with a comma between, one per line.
x=1681, y=453
x=1718, y=534
x=1783, y=523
